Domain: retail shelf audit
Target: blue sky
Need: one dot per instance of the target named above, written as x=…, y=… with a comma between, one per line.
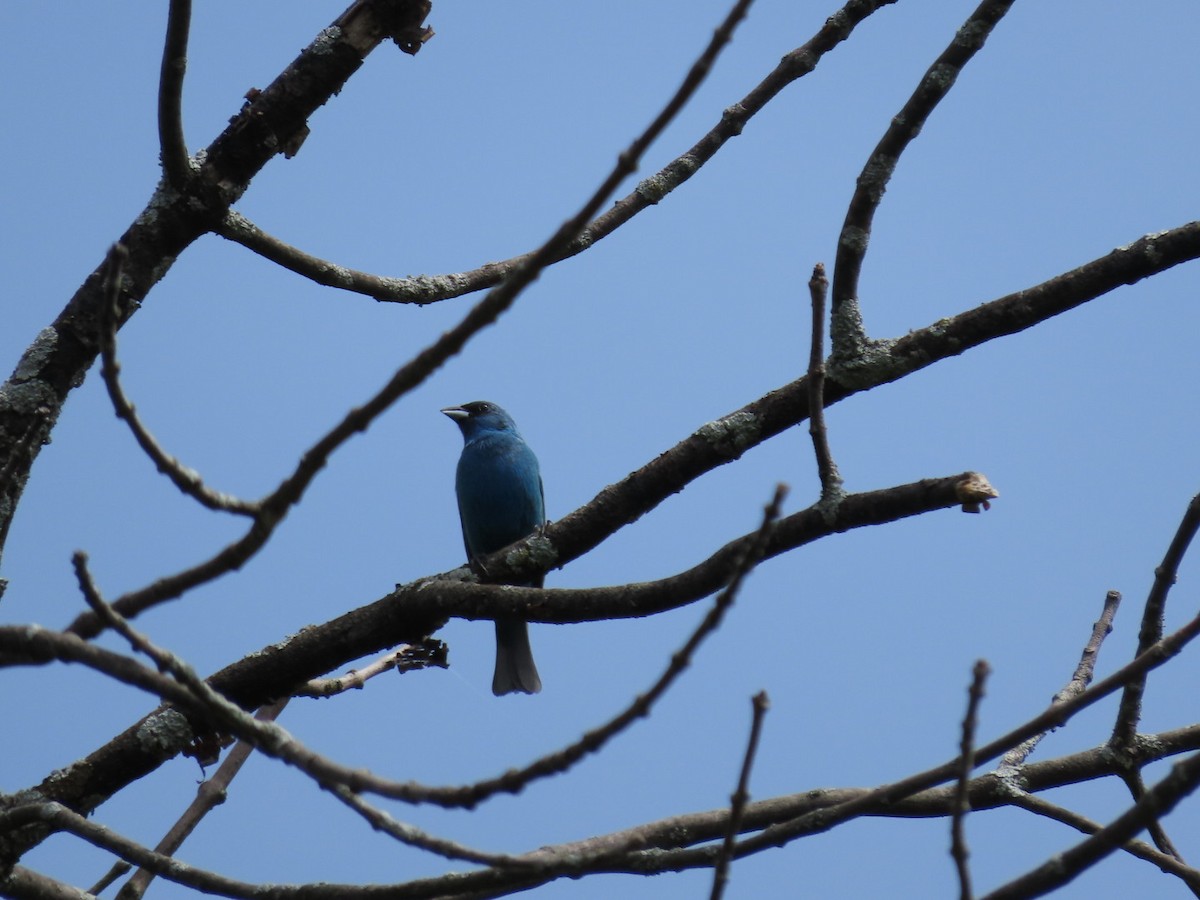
x=1072, y=133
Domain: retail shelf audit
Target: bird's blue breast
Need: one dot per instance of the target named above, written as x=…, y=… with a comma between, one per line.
x=499, y=492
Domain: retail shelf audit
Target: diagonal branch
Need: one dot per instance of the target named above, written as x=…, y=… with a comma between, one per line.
x=1140, y=849
x=902, y=130
x=1063, y=867
x=1081, y=678
x=1152, y=623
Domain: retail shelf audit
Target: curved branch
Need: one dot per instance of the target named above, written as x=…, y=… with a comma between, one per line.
x=171, y=143
x=187, y=480
x=424, y=289
x=903, y=129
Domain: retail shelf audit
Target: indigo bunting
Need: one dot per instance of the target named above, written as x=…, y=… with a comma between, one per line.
x=500, y=501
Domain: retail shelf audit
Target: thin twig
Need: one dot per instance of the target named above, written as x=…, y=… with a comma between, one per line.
x=272, y=509
x=187, y=480
x=1167, y=863
x=737, y=803
x=171, y=143
x=1082, y=677
x=405, y=658
x=59, y=817
x=1158, y=801
x=902, y=130
x=118, y=870
x=831, y=479
x=1129, y=713
x=411, y=836
x=210, y=794
x=958, y=837
x=1130, y=710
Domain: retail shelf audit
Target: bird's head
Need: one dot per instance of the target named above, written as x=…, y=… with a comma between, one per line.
x=480, y=416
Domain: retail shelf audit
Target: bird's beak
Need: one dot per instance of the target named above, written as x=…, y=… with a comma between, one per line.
x=457, y=413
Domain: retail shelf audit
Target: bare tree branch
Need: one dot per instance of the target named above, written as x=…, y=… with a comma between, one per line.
x=26, y=884
x=958, y=837
x=831, y=479
x=1140, y=849
x=1065, y=866
x=407, y=658
x=1079, y=681
x=848, y=337
x=187, y=480
x=424, y=289
x=1152, y=623
x=737, y=802
x=171, y=142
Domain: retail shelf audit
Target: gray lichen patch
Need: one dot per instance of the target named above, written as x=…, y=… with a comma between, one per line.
x=38, y=354
x=733, y=434
x=28, y=398
x=167, y=731
x=324, y=42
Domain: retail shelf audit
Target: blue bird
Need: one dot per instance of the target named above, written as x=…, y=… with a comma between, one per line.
x=500, y=501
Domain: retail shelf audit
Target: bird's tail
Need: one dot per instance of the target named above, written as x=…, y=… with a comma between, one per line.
x=515, y=669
